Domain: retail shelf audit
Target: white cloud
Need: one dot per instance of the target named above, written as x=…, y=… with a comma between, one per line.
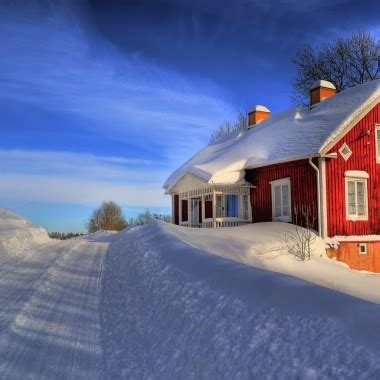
x=54, y=189
x=39, y=176
x=57, y=63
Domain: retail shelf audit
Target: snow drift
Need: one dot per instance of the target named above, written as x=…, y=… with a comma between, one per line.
x=18, y=235
x=172, y=310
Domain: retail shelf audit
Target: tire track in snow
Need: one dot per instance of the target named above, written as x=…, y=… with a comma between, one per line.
x=56, y=331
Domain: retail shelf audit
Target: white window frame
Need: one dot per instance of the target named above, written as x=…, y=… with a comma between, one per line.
x=356, y=216
x=360, y=245
x=347, y=156
x=377, y=129
x=224, y=205
x=281, y=182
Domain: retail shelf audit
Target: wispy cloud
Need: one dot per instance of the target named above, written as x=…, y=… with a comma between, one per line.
x=79, y=178
x=61, y=65
x=53, y=60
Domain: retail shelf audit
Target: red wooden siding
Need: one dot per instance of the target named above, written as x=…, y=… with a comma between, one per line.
x=176, y=209
x=303, y=182
x=363, y=147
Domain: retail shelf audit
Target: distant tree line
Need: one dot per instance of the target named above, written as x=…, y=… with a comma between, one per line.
x=64, y=235
x=109, y=216
x=146, y=217
x=238, y=124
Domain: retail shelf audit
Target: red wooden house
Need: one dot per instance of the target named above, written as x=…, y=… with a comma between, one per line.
x=324, y=158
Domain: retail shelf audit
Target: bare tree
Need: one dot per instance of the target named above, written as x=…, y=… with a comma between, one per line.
x=108, y=216
x=240, y=123
x=346, y=62
x=300, y=242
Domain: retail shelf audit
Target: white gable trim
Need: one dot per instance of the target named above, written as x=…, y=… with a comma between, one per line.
x=347, y=126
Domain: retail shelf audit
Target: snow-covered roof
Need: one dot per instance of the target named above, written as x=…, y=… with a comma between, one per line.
x=285, y=136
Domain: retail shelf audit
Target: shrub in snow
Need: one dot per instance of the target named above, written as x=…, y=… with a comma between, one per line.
x=299, y=243
x=108, y=216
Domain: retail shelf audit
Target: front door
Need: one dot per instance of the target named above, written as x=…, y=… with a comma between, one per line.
x=195, y=211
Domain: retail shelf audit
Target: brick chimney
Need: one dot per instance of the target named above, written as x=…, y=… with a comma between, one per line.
x=320, y=90
x=257, y=114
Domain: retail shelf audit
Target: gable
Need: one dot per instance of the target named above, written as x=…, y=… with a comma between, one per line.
x=187, y=183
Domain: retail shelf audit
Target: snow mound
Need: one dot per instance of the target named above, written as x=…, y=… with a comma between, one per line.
x=171, y=310
x=18, y=235
x=262, y=245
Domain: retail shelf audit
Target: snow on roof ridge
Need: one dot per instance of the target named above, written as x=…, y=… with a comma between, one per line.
x=322, y=83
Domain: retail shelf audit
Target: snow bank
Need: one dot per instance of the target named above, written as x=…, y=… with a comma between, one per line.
x=18, y=235
x=262, y=245
x=278, y=137
x=171, y=310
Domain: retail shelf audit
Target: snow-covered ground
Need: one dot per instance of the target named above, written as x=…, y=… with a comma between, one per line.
x=18, y=236
x=153, y=302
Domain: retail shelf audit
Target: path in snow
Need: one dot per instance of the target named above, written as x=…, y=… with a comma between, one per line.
x=49, y=319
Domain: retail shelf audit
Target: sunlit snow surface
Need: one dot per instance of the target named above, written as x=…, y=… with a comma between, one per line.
x=151, y=302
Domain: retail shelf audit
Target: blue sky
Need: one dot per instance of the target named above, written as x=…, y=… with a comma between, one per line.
x=103, y=99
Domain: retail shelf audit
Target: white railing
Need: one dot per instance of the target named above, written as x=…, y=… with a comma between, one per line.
x=230, y=223
x=224, y=222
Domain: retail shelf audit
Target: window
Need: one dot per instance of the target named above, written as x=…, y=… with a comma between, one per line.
x=362, y=248
x=281, y=200
x=356, y=198
x=228, y=205
x=377, y=136
x=232, y=205
x=345, y=152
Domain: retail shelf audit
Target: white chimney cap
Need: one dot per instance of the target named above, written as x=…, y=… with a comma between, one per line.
x=322, y=83
x=260, y=109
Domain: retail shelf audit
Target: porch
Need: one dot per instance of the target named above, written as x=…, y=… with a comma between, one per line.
x=214, y=206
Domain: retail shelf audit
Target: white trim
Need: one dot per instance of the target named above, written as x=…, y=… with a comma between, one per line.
x=281, y=182
x=356, y=216
x=356, y=174
x=323, y=195
x=331, y=141
x=377, y=129
x=345, y=156
x=320, y=210
x=360, y=245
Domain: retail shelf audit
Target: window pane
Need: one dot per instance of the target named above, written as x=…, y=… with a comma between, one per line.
x=219, y=206
x=278, y=211
x=277, y=191
x=232, y=202
x=361, y=210
x=285, y=190
x=285, y=211
x=285, y=201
